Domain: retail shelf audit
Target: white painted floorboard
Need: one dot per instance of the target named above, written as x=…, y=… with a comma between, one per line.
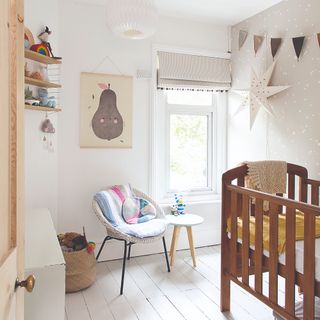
x=151, y=293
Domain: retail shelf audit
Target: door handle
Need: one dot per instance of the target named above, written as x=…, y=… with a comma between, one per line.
x=28, y=283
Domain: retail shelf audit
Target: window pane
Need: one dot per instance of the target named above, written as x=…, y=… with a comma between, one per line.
x=191, y=98
x=188, y=151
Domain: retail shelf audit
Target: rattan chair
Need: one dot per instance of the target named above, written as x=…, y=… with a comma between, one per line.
x=128, y=240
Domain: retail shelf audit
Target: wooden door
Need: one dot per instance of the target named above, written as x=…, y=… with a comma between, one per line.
x=11, y=158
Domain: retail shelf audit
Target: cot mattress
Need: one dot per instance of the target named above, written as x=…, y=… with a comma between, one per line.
x=299, y=256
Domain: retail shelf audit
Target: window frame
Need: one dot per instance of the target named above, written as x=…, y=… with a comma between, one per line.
x=210, y=111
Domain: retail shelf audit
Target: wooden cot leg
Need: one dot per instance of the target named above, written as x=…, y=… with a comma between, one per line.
x=174, y=241
x=191, y=246
x=225, y=283
x=224, y=293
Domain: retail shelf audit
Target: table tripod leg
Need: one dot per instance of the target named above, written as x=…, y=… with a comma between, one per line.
x=174, y=241
x=190, y=238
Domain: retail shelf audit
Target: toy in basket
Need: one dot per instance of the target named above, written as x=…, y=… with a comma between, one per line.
x=80, y=260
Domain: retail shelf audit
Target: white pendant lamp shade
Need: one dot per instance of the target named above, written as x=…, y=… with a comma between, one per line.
x=134, y=19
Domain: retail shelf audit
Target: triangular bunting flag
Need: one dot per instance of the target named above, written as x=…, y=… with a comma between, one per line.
x=257, y=42
x=242, y=38
x=298, y=45
x=318, y=35
x=275, y=45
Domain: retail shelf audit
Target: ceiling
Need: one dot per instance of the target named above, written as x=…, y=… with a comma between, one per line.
x=226, y=12
x=221, y=12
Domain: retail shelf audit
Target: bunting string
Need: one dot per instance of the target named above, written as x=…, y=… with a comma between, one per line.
x=269, y=36
x=275, y=42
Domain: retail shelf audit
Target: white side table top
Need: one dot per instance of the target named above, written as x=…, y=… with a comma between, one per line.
x=184, y=220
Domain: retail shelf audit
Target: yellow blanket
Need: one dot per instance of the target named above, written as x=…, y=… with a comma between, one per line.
x=281, y=230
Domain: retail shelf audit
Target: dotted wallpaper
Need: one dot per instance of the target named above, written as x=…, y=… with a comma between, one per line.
x=293, y=134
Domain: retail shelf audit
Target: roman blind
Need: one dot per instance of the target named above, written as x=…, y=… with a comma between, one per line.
x=193, y=72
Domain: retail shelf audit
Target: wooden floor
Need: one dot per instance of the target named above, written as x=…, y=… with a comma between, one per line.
x=152, y=293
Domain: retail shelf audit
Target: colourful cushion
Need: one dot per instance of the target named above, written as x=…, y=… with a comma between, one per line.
x=137, y=210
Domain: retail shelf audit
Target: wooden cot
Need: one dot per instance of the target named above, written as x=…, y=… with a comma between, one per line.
x=239, y=259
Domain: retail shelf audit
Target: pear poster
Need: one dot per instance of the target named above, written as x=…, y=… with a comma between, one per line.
x=106, y=111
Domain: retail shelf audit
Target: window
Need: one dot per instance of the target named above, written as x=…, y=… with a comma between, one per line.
x=190, y=121
x=188, y=144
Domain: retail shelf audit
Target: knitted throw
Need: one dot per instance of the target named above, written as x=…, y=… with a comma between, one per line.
x=267, y=176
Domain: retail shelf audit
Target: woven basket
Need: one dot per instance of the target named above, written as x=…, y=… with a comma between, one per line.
x=80, y=270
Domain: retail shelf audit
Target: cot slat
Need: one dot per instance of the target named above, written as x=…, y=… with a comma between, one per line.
x=273, y=253
x=240, y=181
x=309, y=266
x=315, y=195
x=245, y=240
x=258, y=250
x=303, y=189
x=291, y=186
x=234, y=233
x=290, y=260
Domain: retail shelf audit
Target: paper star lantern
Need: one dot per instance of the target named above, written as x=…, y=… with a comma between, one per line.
x=257, y=96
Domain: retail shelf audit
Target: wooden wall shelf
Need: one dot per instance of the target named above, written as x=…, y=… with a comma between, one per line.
x=41, y=108
x=34, y=56
x=41, y=83
x=40, y=57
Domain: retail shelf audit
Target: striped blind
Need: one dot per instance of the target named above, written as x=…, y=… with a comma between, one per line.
x=186, y=71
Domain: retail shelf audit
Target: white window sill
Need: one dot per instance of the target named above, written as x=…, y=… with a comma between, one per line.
x=192, y=199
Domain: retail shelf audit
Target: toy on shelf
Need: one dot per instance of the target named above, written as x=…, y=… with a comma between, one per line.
x=26, y=70
x=44, y=47
x=44, y=98
x=28, y=38
x=179, y=206
x=29, y=99
x=43, y=69
x=36, y=75
x=41, y=74
x=41, y=49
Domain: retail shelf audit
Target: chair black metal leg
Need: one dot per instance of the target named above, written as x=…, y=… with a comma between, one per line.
x=103, y=243
x=123, y=266
x=129, y=252
x=166, y=253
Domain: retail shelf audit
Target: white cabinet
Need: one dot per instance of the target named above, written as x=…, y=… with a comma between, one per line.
x=44, y=259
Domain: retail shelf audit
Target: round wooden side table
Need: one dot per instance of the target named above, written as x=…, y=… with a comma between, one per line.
x=186, y=220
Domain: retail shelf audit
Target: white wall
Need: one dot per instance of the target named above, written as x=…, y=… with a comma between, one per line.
x=41, y=166
x=85, y=41
x=293, y=134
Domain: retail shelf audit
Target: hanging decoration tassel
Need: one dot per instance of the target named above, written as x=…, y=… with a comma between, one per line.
x=257, y=42
x=298, y=45
x=48, y=129
x=275, y=45
x=242, y=38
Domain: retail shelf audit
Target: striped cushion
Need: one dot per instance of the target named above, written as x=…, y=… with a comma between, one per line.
x=110, y=202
